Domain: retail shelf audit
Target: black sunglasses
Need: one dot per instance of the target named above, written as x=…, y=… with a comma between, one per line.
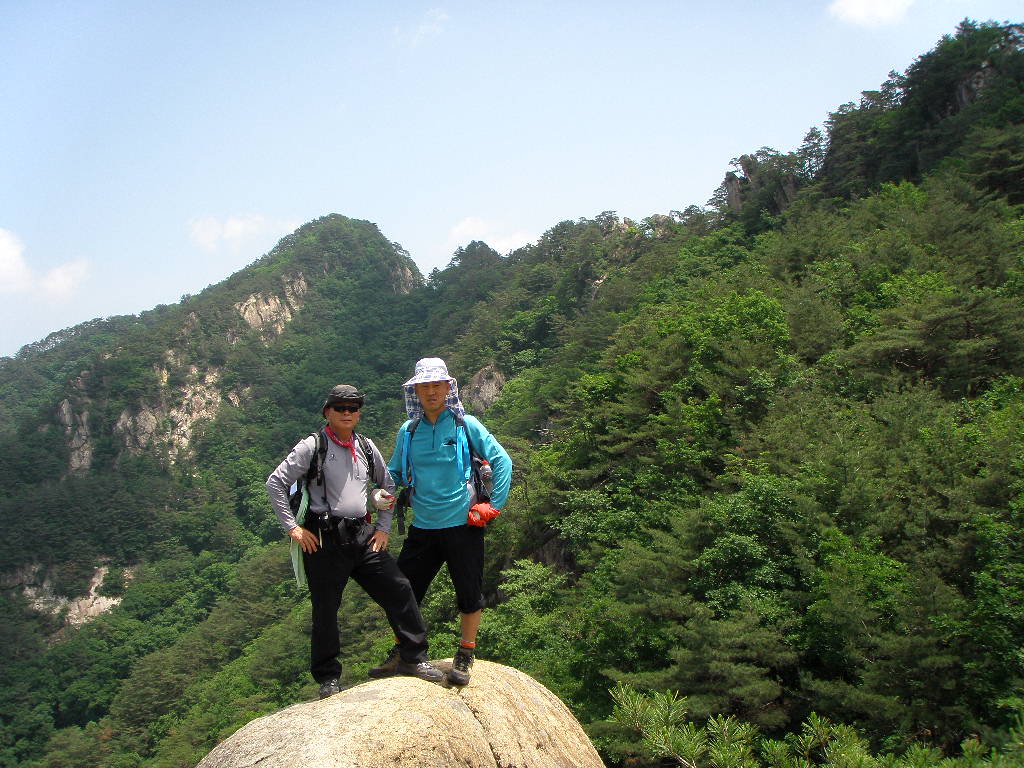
x=346, y=408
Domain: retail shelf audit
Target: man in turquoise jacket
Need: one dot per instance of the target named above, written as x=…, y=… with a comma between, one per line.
x=433, y=456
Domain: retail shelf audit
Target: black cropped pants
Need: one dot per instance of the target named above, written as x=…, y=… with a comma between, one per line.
x=461, y=548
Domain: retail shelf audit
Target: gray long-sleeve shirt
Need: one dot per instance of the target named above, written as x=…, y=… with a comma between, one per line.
x=347, y=482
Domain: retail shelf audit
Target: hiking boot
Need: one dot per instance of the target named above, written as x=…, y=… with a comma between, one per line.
x=461, y=665
x=329, y=688
x=423, y=670
x=389, y=666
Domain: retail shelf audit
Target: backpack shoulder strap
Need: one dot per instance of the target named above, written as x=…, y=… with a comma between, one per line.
x=315, y=473
x=464, y=447
x=407, y=467
x=482, y=483
x=368, y=454
x=461, y=422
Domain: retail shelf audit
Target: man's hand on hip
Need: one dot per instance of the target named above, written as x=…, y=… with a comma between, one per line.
x=306, y=539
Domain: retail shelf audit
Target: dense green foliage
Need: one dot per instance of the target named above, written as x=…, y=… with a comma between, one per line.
x=725, y=742
x=770, y=456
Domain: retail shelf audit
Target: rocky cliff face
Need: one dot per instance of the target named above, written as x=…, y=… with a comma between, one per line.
x=404, y=280
x=166, y=419
x=503, y=718
x=269, y=313
x=970, y=88
x=483, y=389
x=35, y=583
x=170, y=418
x=76, y=434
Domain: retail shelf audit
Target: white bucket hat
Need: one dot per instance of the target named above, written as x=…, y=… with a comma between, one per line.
x=431, y=369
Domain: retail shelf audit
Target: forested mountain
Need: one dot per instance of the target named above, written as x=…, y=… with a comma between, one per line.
x=770, y=455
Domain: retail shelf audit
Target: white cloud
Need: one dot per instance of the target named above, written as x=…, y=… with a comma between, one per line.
x=206, y=232
x=870, y=13
x=212, y=233
x=475, y=228
x=60, y=283
x=430, y=27
x=16, y=276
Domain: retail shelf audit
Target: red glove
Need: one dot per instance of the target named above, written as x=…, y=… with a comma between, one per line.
x=481, y=514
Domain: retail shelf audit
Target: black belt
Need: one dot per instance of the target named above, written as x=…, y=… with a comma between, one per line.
x=333, y=521
x=349, y=530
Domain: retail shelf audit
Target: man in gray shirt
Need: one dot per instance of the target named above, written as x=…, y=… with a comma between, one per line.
x=338, y=541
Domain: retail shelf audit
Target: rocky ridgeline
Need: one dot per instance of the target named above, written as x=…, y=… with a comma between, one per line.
x=169, y=416
x=166, y=418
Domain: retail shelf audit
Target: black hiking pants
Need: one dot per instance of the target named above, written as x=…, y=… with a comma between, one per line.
x=345, y=555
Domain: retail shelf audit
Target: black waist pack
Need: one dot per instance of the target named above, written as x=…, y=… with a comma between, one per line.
x=354, y=531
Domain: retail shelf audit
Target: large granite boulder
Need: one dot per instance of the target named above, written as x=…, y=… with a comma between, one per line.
x=502, y=719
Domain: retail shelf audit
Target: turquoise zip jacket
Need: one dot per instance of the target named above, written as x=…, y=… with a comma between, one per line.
x=439, y=467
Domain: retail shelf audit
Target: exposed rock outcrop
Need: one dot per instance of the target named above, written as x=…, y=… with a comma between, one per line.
x=733, y=192
x=153, y=422
x=268, y=313
x=36, y=584
x=295, y=289
x=200, y=402
x=502, y=719
x=136, y=430
x=403, y=279
x=76, y=432
x=483, y=389
x=970, y=88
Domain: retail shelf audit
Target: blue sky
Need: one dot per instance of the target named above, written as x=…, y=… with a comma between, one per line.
x=148, y=150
